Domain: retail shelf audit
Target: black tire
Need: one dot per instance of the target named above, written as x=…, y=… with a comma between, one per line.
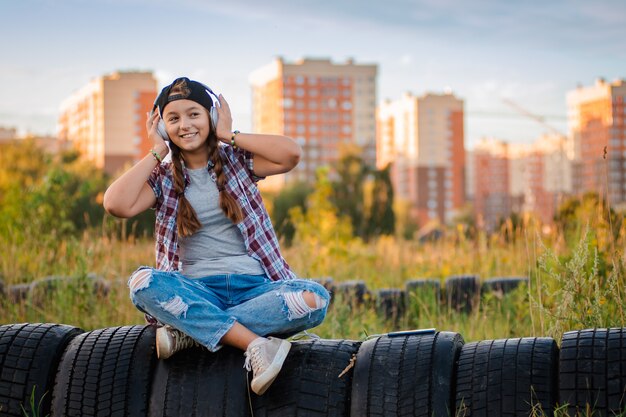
x=593, y=371
x=390, y=303
x=353, y=292
x=507, y=377
x=29, y=355
x=463, y=293
x=502, y=286
x=106, y=372
x=309, y=383
x=406, y=375
x=198, y=383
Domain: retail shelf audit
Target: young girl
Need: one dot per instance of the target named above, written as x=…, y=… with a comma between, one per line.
x=220, y=277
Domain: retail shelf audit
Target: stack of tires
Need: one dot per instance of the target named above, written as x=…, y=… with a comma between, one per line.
x=60, y=370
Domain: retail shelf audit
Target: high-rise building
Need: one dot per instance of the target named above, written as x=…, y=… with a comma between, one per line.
x=492, y=188
x=423, y=139
x=596, y=122
x=520, y=178
x=320, y=104
x=106, y=118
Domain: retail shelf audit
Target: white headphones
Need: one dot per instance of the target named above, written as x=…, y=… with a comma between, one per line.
x=213, y=115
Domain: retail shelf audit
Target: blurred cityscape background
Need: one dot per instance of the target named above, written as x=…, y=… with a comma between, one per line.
x=330, y=109
x=465, y=111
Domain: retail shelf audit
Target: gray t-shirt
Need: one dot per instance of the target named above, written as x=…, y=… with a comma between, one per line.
x=218, y=247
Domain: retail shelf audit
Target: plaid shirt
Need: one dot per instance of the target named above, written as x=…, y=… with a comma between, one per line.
x=256, y=227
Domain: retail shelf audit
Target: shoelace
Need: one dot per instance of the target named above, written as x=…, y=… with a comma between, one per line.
x=253, y=359
x=182, y=340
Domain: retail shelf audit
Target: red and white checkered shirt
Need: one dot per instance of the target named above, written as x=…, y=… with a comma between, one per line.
x=256, y=227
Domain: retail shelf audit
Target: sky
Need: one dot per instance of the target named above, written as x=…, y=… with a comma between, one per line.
x=488, y=52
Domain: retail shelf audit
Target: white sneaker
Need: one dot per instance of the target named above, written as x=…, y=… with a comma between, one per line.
x=265, y=357
x=170, y=341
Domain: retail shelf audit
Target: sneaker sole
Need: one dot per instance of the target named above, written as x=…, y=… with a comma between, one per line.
x=260, y=384
x=161, y=344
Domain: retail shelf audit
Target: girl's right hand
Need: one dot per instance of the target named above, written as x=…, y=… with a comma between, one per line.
x=158, y=142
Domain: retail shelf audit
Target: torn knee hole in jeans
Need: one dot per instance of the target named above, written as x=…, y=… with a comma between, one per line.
x=175, y=306
x=140, y=280
x=297, y=307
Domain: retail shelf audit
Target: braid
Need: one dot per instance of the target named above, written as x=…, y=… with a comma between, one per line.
x=187, y=221
x=228, y=203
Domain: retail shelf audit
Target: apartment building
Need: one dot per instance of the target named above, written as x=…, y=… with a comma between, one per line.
x=520, y=178
x=596, y=122
x=319, y=103
x=493, y=185
x=423, y=139
x=106, y=118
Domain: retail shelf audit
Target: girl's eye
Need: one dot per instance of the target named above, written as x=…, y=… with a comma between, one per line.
x=195, y=114
x=172, y=119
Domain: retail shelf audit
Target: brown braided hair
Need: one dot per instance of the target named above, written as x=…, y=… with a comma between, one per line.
x=187, y=221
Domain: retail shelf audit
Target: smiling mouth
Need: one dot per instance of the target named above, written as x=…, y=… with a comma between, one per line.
x=188, y=135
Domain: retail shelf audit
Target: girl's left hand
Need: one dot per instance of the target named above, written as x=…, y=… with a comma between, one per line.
x=224, y=121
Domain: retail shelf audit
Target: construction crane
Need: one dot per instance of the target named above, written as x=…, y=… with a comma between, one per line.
x=539, y=119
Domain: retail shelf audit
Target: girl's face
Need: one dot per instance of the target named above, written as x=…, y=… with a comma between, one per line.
x=187, y=124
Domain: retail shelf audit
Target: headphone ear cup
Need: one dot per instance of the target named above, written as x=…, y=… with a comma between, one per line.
x=161, y=130
x=214, y=117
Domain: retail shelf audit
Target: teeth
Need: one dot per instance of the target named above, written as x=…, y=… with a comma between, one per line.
x=188, y=135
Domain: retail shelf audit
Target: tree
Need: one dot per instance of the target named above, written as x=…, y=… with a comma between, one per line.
x=292, y=196
x=381, y=220
x=363, y=194
x=348, y=189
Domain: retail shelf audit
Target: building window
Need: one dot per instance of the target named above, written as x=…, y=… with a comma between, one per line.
x=299, y=80
x=287, y=103
x=346, y=105
x=312, y=80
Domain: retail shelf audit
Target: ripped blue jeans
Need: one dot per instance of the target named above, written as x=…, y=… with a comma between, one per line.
x=206, y=308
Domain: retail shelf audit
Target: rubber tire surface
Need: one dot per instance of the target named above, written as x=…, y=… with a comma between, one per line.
x=390, y=303
x=196, y=382
x=502, y=286
x=505, y=377
x=309, y=383
x=463, y=293
x=406, y=376
x=593, y=371
x=29, y=355
x=106, y=372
